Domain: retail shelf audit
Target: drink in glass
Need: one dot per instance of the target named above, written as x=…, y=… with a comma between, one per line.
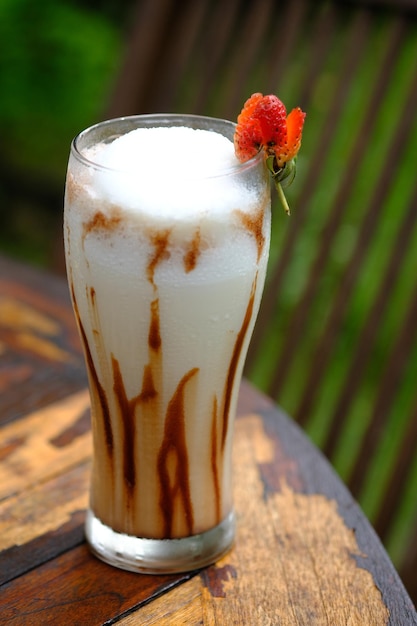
x=166, y=238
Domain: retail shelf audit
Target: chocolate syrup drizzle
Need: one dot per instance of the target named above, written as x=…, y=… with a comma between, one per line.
x=172, y=458
x=231, y=374
x=174, y=445
x=194, y=251
x=98, y=389
x=127, y=410
x=215, y=459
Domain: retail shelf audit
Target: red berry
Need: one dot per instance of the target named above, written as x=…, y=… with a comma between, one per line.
x=271, y=114
x=248, y=137
x=290, y=147
x=263, y=124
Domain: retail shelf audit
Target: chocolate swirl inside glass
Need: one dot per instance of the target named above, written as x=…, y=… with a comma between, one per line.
x=165, y=300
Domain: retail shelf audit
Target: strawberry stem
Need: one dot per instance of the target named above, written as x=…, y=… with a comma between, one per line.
x=282, y=198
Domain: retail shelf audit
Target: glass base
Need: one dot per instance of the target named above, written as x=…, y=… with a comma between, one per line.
x=159, y=556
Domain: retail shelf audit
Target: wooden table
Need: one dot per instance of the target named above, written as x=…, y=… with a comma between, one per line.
x=304, y=554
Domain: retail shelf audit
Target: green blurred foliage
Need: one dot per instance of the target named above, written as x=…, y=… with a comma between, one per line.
x=57, y=62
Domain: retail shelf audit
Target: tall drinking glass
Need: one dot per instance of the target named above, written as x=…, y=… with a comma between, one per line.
x=166, y=284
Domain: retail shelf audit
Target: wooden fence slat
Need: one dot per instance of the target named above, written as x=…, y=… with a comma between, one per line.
x=390, y=379
x=407, y=569
x=323, y=31
x=400, y=473
x=276, y=274
x=367, y=336
x=180, y=38
x=325, y=343
x=357, y=40
x=283, y=40
x=248, y=43
x=215, y=38
x=149, y=22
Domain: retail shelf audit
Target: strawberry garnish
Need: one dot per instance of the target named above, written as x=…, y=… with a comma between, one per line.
x=248, y=137
x=292, y=143
x=263, y=124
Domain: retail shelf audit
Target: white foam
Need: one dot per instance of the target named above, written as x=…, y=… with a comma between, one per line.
x=177, y=151
x=169, y=171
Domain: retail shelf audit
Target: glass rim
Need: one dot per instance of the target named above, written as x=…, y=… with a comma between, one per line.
x=160, y=117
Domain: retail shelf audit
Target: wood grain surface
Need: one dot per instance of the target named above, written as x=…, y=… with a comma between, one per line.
x=304, y=552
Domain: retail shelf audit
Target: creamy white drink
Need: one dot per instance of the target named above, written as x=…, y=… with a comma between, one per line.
x=167, y=239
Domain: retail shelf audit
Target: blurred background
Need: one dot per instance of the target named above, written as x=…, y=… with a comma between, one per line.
x=336, y=341
x=58, y=60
